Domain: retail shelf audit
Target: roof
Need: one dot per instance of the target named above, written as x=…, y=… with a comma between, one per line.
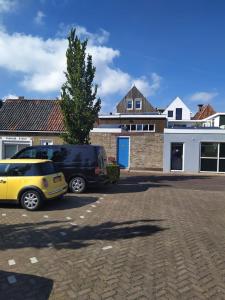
x=23, y=161
x=31, y=115
x=206, y=111
x=134, y=93
x=179, y=100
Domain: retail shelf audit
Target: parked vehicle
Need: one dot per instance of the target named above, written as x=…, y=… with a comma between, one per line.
x=82, y=165
x=30, y=182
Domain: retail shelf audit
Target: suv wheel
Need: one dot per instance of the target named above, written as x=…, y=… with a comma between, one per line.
x=31, y=200
x=77, y=185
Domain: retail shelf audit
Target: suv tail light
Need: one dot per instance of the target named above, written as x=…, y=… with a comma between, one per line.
x=45, y=182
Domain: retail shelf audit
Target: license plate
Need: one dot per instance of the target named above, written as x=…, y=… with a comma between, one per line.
x=57, y=179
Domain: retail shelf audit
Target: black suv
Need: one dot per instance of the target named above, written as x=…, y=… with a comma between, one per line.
x=82, y=165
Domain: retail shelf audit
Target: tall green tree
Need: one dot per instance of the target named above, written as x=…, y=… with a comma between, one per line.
x=79, y=104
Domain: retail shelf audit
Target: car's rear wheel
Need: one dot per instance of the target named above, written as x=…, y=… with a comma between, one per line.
x=31, y=200
x=77, y=185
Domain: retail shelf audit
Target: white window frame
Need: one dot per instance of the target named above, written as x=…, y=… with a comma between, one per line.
x=43, y=141
x=210, y=157
x=125, y=125
x=135, y=101
x=132, y=102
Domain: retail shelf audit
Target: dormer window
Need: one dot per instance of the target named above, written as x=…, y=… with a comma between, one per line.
x=129, y=104
x=138, y=104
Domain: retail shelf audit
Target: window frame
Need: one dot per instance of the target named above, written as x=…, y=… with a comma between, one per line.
x=170, y=111
x=44, y=141
x=218, y=158
x=135, y=101
x=132, y=104
x=128, y=127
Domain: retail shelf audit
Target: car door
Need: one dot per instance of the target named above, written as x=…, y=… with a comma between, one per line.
x=3, y=181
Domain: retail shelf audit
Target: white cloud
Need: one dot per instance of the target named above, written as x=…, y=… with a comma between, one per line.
x=7, y=5
x=39, y=18
x=9, y=96
x=42, y=63
x=203, y=96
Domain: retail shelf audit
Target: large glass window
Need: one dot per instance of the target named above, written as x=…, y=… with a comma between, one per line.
x=209, y=149
x=212, y=157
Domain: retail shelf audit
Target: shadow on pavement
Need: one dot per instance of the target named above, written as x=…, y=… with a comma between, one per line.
x=67, y=202
x=24, y=287
x=140, y=183
x=65, y=236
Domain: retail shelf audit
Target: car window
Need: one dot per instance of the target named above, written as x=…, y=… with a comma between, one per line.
x=46, y=168
x=3, y=169
x=84, y=156
x=27, y=153
x=21, y=170
x=40, y=169
x=102, y=159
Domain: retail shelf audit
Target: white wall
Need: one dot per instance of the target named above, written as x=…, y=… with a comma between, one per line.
x=191, y=140
x=178, y=103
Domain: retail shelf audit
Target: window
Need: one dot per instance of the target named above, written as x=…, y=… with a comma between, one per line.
x=27, y=153
x=151, y=127
x=170, y=113
x=16, y=170
x=145, y=127
x=127, y=127
x=178, y=113
x=129, y=104
x=3, y=169
x=139, y=127
x=138, y=104
x=212, y=157
x=46, y=142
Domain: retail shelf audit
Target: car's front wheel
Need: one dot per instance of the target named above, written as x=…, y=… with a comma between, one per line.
x=77, y=185
x=31, y=200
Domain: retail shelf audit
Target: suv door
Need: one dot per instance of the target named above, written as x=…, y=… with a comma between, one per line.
x=3, y=182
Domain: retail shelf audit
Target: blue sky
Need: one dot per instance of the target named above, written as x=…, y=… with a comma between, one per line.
x=167, y=48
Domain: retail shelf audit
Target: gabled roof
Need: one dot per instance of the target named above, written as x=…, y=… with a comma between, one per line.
x=206, y=111
x=31, y=115
x=178, y=100
x=133, y=94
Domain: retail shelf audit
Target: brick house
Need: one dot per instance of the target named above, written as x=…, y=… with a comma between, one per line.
x=134, y=134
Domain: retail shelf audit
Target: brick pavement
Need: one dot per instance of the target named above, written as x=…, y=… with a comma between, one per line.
x=149, y=237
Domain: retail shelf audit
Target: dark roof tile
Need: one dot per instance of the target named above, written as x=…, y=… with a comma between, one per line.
x=31, y=115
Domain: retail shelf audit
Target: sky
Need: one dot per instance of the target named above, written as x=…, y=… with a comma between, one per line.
x=166, y=48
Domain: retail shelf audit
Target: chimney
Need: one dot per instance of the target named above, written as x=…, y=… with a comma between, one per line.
x=21, y=97
x=200, y=107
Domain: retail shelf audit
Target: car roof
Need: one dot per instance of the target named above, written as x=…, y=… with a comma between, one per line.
x=23, y=161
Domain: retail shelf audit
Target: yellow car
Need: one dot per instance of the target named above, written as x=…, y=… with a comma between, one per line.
x=30, y=182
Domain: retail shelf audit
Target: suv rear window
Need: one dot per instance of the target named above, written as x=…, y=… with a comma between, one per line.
x=41, y=169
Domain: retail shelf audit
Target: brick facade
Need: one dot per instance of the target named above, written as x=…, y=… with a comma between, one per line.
x=146, y=149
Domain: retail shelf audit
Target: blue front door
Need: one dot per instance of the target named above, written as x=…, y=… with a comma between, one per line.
x=123, y=152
